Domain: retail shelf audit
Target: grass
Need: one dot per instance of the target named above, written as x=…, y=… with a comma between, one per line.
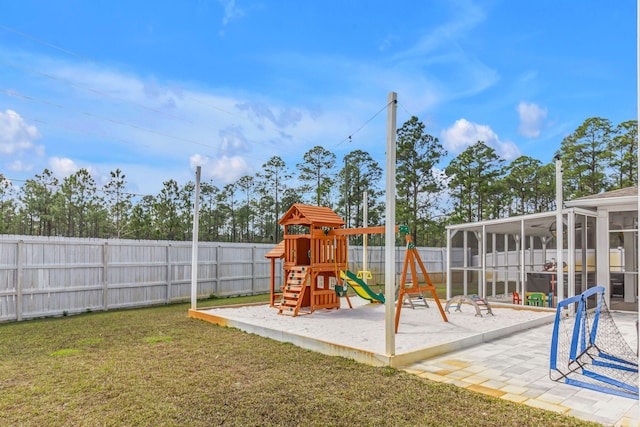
x=156, y=366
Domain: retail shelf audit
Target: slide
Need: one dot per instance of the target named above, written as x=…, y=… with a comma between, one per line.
x=360, y=287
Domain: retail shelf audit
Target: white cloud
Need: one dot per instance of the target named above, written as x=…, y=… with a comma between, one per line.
x=233, y=141
x=16, y=136
x=147, y=179
x=140, y=119
x=532, y=119
x=198, y=160
x=19, y=166
x=284, y=117
x=441, y=54
x=464, y=133
x=426, y=70
x=448, y=34
x=507, y=150
x=158, y=122
x=387, y=42
x=231, y=11
x=223, y=170
x=63, y=166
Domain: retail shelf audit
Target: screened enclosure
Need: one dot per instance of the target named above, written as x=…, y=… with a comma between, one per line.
x=520, y=254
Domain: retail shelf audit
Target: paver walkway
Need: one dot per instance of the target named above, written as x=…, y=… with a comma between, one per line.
x=516, y=368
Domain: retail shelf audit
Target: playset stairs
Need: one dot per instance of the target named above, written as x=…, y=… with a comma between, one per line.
x=294, y=290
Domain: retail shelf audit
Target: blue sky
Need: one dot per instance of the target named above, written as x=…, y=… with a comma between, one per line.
x=157, y=87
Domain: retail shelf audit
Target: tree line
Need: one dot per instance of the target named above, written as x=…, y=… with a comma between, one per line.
x=476, y=185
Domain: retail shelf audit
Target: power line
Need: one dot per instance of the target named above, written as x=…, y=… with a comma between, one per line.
x=406, y=111
x=20, y=116
x=101, y=93
x=409, y=113
x=349, y=138
x=87, y=59
x=45, y=43
x=86, y=113
x=92, y=61
x=98, y=132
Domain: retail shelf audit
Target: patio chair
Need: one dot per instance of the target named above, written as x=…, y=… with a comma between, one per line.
x=515, y=298
x=535, y=299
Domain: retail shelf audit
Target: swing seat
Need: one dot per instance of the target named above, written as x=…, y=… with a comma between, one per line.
x=341, y=291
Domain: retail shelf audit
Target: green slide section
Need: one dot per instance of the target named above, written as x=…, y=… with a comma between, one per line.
x=360, y=287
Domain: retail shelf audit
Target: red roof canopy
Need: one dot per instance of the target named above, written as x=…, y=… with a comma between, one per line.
x=311, y=215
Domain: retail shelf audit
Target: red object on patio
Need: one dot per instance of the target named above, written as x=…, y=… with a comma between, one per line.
x=516, y=298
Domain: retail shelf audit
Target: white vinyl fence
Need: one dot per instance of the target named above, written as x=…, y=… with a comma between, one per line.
x=42, y=277
x=55, y=276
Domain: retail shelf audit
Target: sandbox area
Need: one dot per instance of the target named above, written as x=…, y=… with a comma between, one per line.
x=359, y=333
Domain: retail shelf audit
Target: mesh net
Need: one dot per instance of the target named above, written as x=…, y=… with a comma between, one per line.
x=588, y=350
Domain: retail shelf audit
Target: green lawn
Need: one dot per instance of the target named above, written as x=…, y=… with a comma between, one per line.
x=156, y=366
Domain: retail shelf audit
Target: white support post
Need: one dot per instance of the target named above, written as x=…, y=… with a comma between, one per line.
x=482, y=250
x=571, y=254
x=390, y=228
x=194, y=244
x=559, y=232
x=365, y=237
x=523, y=245
x=519, y=283
x=584, y=274
x=505, y=242
x=494, y=261
x=532, y=258
x=448, y=269
x=465, y=262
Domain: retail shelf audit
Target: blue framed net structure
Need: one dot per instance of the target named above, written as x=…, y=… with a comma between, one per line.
x=588, y=350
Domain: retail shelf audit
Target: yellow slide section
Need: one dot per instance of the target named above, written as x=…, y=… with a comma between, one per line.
x=360, y=287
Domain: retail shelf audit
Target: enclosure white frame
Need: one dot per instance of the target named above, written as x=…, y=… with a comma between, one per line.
x=538, y=225
x=519, y=228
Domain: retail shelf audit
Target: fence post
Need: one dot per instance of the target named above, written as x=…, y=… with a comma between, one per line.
x=217, y=287
x=253, y=270
x=443, y=259
x=168, y=299
x=19, y=262
x=105, y=272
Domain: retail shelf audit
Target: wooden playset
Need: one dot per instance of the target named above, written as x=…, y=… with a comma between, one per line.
x=311, y=259
x=314, y=250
